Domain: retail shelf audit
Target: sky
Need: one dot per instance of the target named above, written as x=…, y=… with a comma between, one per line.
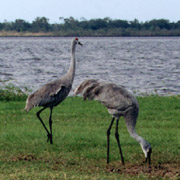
x=143, y=10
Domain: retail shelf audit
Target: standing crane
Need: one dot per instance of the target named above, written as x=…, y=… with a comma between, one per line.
x=53, y=93
x=119, y=102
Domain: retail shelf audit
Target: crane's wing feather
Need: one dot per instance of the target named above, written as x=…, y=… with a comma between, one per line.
x=109, y=94
x=112, y=96
x=84, y=85
x=50, y=93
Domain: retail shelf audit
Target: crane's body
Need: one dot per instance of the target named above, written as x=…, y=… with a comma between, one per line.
x=49, y=95
x=119, y=102
x=53, y=93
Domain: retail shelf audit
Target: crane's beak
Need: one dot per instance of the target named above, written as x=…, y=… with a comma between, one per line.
x=80, y=43
x=148, y=158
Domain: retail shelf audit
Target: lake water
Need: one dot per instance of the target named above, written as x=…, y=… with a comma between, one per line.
x=142, y=65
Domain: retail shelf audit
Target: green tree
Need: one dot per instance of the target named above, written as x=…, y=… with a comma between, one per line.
x=41, y=24
x=118, y=24
x=21, y=25
x=161, y=24
x=71, y=23
x=1, y=26
x=7, y=26
x=96, y=24
x=135, y=24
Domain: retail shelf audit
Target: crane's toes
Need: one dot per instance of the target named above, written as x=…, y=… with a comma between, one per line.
x=148, y=161
x=148, y=158
x=49, y=138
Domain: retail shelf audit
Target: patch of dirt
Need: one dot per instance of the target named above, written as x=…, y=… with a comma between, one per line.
x=29, y=157
x=171, y=170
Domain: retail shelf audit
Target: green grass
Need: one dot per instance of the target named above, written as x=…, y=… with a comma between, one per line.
x=79, y=149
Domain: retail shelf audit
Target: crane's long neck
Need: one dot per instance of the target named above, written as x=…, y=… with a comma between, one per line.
x=133, y=133
x=139, y=139
x=72, y=67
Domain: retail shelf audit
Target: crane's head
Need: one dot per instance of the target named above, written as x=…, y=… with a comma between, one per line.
x=146, y=147
x=76, y=41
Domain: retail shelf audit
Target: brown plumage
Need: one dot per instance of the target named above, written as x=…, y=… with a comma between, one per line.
x=53, y=93
x=119, y=102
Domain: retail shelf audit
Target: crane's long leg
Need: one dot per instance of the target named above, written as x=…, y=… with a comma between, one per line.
x=50, y=125
x=118, y=141
x=38, y=115
x=108, y=135
x=148, y=158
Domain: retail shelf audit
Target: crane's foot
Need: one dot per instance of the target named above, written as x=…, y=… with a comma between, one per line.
x=122, y=160
x=49, y=138
x=148, y=158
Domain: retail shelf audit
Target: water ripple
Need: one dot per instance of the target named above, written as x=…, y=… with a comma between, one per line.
x=143, y=65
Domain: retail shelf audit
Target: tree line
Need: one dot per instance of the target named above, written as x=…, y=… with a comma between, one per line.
x=94, y=27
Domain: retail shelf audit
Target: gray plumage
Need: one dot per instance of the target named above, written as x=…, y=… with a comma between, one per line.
x=119, y=102
x=53, y=93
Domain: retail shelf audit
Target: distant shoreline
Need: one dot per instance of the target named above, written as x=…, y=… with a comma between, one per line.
x=24, y=34
x=106, y=27
x=57, y=34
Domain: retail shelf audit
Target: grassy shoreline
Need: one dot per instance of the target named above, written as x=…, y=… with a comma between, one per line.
x=80, y=34
x=24, y=34
x=79, y=149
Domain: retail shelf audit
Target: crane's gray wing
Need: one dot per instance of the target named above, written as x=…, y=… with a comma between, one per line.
x=82, y=88
x=109, y=94
x=112, y=96
x=51, y=93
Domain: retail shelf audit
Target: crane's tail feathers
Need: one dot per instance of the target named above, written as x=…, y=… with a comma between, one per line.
x=81, y=89
x=90, y=89
x=89, y=92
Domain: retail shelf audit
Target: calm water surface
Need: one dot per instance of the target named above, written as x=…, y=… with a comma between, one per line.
x=142, y=65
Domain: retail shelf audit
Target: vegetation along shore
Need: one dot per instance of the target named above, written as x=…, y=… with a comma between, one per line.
x=93, y=27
